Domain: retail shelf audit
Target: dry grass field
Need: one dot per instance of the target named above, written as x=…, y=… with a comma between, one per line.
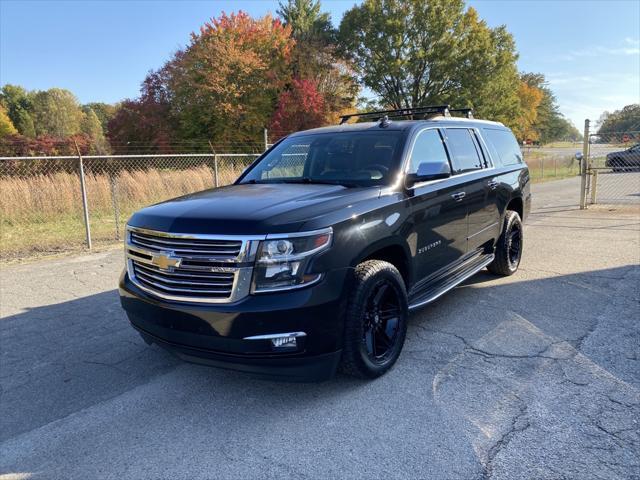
x=43, y=213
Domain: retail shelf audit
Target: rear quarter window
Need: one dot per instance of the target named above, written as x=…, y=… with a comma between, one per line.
x=503, y=146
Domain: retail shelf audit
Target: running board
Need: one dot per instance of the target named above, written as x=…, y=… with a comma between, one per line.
x=456, y=279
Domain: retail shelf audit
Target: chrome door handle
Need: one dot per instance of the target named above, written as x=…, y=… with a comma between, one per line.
x=458, y=196
x=492, y=184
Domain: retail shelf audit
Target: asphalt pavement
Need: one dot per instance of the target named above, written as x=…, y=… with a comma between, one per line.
x=531, y=376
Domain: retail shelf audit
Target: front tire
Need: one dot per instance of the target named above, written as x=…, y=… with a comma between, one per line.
x=376, y=320
x=509, y=247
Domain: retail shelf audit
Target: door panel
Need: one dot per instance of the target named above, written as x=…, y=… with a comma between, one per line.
x=469, y=156
x=439, y=226
x=484, y=217
x=438, y=234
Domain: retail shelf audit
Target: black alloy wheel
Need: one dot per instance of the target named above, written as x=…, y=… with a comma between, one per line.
x=509, y=247
x=381, y=322
x=375, y=320
x=515, y=245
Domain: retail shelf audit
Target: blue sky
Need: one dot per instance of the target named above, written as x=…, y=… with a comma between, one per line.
x=101, y=51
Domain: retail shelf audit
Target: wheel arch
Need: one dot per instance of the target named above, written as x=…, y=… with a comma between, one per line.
x=390, y=251
x=517, y=205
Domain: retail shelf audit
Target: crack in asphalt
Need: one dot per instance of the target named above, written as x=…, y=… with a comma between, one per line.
x=517, y=427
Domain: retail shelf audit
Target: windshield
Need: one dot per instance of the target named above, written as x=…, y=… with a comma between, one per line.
x=343, y=158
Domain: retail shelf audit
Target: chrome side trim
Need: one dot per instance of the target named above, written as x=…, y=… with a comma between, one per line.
x=438, y=294
x=493, y=225
x=276, y=335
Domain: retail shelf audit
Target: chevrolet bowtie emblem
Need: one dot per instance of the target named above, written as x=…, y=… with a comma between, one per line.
x=165, y=261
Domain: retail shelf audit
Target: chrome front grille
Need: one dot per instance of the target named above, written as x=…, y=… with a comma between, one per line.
x=186, y=246
x=184, y=282
x=190, y=268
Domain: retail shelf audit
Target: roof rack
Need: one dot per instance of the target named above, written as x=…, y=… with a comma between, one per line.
x=468, y=112
x=403, y=112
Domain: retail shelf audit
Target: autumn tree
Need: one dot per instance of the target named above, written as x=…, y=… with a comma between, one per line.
x=299, y=108
x=416, y=52
x=226, y=83
x=146, y=121
x=530, y=97
x=6, y=126
x=549, y=124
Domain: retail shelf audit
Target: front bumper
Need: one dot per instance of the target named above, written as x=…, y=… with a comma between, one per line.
x=215, y=334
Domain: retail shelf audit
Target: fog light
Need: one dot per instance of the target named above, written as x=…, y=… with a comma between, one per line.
x=284, y=342
x=281, y=341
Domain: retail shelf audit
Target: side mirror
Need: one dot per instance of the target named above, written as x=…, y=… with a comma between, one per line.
x=429, y=171
x=579, y=156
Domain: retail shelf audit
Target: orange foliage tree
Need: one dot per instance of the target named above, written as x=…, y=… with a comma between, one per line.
x=226, y=83
x=530, y=98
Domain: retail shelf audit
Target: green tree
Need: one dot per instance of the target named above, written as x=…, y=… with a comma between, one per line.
x=90, y=125
x=104, y=111
x=56, y=112
x=18, y=103
x=626, y=119
x=417, y=52
x=6, y=126
x=308, y=23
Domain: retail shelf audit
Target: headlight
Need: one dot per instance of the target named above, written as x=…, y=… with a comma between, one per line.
x=282, y=260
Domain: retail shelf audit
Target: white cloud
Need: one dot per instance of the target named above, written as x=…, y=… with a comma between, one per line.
x=630, y=46
x=583, y=96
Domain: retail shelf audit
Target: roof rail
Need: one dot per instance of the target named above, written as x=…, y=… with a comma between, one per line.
x=402, y=112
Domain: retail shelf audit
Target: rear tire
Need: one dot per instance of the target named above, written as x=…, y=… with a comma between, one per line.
x=376, y=320
x=509, y=247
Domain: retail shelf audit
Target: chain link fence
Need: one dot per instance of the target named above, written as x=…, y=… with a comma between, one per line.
x=43, y=207
x=552, y=162
x=63, y=203
x=613, y=169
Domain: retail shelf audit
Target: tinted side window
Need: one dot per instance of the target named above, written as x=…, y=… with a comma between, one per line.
x=465, y=155
x=505, y=145
x=428, y=148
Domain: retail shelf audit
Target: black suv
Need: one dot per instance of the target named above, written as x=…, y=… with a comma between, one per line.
x=314, y=257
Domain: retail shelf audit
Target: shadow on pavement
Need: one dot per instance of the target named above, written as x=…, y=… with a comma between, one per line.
x=61, y=358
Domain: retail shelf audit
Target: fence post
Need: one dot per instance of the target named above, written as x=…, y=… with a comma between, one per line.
x=583, y=166
x=594, y=187
x=85, y=206
x=555, y=166
x=113, y=182
x=542, y=168
x=215, y=164
x=266, y=139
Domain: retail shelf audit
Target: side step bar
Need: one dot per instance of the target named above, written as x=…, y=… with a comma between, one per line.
x=436, y=291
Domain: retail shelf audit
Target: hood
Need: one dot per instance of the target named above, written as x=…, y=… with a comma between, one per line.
x=249, y=208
